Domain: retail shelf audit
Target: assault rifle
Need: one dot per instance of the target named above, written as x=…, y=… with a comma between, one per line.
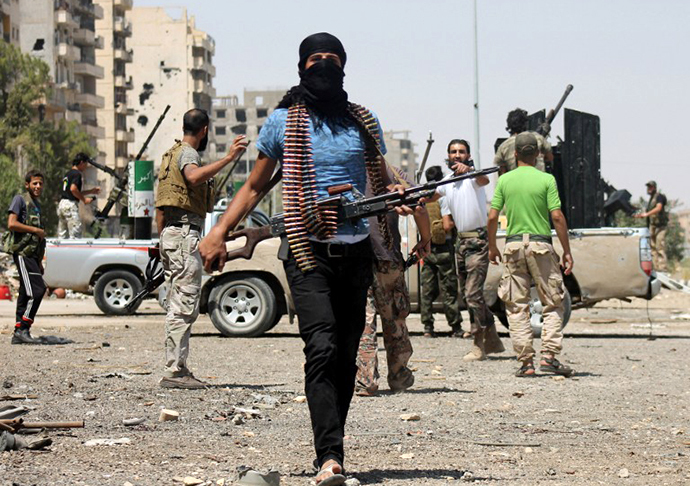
x=360, y=207
x=545, y=127
x=122, y=180
x=155, y=276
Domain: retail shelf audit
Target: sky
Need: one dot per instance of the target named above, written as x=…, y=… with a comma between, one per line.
x=411, y=62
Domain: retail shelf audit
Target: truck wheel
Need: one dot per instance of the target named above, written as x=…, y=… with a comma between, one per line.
x=242, y=306
x=114, y=289
x=535, y=308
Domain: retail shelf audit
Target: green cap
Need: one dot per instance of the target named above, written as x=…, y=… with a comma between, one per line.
x=651, y=183
x=526, y=143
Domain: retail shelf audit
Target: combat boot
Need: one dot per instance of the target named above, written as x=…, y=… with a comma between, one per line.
x=23, y=336
x=402, y=380
x=477, y=353
x=492, y=341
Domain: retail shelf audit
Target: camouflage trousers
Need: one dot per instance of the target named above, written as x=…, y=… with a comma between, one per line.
x=182, y=264
x=530, y=263
x=439, y=276
x=472, y=261
x=657, y=239
x=69, y=222
x=388, y=297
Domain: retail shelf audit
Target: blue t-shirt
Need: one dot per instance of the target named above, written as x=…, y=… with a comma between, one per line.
x=338, y=159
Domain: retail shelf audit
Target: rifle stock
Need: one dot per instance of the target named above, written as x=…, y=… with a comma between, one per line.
x=253, y=237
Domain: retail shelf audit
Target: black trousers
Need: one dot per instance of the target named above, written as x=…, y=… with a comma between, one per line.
x=32, y=288
x=330, y=302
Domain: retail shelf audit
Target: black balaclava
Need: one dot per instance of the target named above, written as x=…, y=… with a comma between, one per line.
x=321, y=86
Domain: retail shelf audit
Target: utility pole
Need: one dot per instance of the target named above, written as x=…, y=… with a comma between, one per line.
x=477, y=151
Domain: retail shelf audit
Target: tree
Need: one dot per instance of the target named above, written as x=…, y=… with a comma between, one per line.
x=44, y=145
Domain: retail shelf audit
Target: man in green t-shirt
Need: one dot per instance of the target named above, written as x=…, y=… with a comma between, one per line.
x=529, y=197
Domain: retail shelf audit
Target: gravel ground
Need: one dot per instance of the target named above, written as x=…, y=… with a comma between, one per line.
x=622, y=419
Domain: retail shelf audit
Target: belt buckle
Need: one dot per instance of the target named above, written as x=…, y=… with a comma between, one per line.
x=335, y=245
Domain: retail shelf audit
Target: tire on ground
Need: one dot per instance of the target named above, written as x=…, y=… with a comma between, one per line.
x=114, y=289
x=242, y=305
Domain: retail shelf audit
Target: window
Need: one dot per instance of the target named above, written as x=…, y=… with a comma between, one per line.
x=220, y=113
x=241, y=115
x=220, y=131
x=239, y=129
x=221, y=148
x=262, y=112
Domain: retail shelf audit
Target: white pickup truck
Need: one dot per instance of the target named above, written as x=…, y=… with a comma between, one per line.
x=610, y=263
x=246, y=299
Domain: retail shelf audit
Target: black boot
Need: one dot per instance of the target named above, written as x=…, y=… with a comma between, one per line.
x=22, y=336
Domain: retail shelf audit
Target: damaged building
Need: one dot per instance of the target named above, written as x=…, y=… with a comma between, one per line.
x=174, y=65
x=115, y=88
x=62, y=34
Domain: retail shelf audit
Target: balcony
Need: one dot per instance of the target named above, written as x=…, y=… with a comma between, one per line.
x=88, y=69
x=205, y=41
x=68, y=51
x=122, y=82
x=124, y=136
x=84, y=37
x=200, y=64
x=121, y=162
x=204, y=87
x=121, y=109
x=91, y=127
x=64, y=18
x=123, y=55
x=123, y=4
x=89, y=9
x=88, y=99
x=122, y=27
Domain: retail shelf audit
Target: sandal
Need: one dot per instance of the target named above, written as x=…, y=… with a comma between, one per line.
x=335, y=478
x=526, y=370
x=552, y=365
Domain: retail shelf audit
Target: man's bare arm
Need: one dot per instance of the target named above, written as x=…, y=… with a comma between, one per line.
x=448, y=223
x=562, y=231
x=13, y=224
x=196, y=175
x=78, y=194
x=491, y=228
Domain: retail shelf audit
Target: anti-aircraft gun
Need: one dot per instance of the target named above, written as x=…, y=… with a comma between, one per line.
x=120, y=189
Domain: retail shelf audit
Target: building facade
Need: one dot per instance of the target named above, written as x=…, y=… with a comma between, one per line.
x=62, y=34
x=115, y=57
x=229, y=119
x=174, y=66
x=9, y=21
x=401, y=152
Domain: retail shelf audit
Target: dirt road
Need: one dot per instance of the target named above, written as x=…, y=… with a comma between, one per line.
x=623, y=419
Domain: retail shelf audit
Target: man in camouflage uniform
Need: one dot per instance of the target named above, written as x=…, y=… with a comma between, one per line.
x=657, y=222
x=185, y=195
x=505, y=155
x=389, y=298
x=69, y=222
x=530, y=198
x=438, y=270
x=467, y=203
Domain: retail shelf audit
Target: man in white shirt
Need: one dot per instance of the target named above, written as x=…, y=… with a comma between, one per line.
x=467, y=204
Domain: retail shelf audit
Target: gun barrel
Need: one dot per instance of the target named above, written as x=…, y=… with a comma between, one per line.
x=554, y=112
